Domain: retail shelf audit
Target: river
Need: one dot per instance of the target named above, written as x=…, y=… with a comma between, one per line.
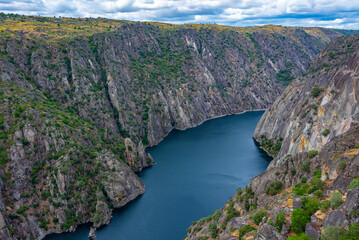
x=196, y=172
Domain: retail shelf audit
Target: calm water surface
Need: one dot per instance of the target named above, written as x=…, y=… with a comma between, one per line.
x=197, y=171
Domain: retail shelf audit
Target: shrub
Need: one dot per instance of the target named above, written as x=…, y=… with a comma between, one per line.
x=336, y=199
x=293, y=171
x=305, y=166
x=213, y=230
x=231, y=212
x=301, y=216
x=317, y=184
x=316, y=91
x=304, y=179
x=325, y=132
x=324, y=206
x=244, y=230
x=317, y=173
x=279, y=220
x=274, y=188
x=352, y=234
x=310, y=205
x=300, y=189
x=301, y=236
x=299, y=219
x=342, y=165
x=332, y=233
x=318, y=194
x=312, y=153
x=258, y=215
x=354, y=183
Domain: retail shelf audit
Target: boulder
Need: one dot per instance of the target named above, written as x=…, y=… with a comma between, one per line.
x=238, y=222
x=334, y=218
x=312, y=230
x=267, y=232
x=92, y=234
x=352, y=200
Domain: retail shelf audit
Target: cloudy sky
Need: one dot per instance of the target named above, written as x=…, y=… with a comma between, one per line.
x=324, y=13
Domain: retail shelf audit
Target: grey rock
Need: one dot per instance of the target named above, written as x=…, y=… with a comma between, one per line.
x=237, y=222
x=92, y=234
x=297, y=203
x=2, y=221
x=352, y=200
x=312, y=230
x=334, y=218
x=267, y=232
x=342, y=183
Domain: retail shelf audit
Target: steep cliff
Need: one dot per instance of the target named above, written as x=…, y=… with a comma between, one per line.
x=318, y=106
x=311, y=188
x=81, y=98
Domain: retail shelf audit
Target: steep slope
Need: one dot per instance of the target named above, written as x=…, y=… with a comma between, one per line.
x=81, y=98
x=318, y=106
x=306, y=192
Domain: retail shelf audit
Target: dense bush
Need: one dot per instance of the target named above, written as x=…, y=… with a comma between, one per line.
x=213, y=230
x=258, y=215
x=352, y=234
x=279, y=220
x=312, y=153
x=316, y=91
x=342, y=165
x=299, y=219
x=274, y=188
x=354, y=183
x=305, y=166
x=317, y=184
x=325, y=132
x=318, y=194
x=332, y=233
x=300, y=189
x=301, y=216
x=244, y=230
x=301, y=236
x=336, y=199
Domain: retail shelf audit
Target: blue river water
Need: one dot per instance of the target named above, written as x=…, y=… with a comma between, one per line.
x=196, y=172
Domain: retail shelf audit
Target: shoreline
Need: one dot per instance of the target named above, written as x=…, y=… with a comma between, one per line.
x=45, y=236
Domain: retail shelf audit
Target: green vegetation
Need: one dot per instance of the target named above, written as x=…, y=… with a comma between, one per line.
x=300, y=189
x=316, y=91
x=301, y=236
x=354, y=183
x=213, y=230
x=331, y=233
x=325, y=132
x=336, y=199
x=279, y=220
x=258, y=215
x=271, y=146
x=312, y=153
x=231, y=212
x=274, y=188
x=244, y=230
x=301, y=216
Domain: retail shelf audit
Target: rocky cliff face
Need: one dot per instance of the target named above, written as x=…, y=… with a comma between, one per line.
x=311, y=188
x=318, y=106
x=81, y=98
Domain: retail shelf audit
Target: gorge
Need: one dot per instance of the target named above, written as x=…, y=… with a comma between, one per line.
x=82, y=98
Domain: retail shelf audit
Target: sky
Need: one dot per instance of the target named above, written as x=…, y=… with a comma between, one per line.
x=322, y=13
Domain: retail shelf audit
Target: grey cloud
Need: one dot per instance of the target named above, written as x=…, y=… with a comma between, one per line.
x=228, y=12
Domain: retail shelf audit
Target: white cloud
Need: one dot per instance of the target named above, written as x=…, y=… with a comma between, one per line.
x=333, y=13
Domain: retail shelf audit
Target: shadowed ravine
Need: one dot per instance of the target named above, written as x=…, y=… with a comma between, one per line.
x=197, y=171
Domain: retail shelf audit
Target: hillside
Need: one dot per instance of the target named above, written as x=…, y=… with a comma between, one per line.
x=82, y=98
x=311, y=188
